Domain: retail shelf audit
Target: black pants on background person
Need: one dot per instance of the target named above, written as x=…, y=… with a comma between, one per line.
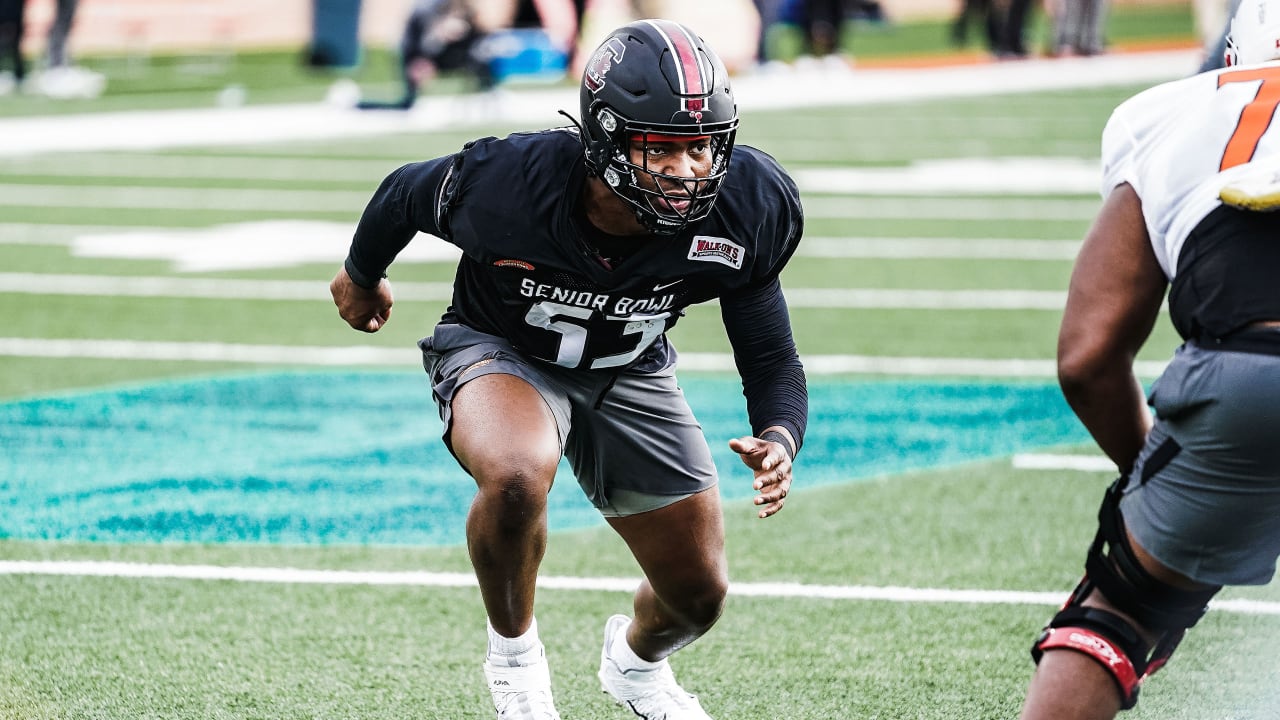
x=1012, y=33
x=12, y=25
x=982, y=13
x=824, y=25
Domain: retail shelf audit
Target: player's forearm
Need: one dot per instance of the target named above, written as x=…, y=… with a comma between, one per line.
x=781, y=403
x=384, y=230
x=1112, y=407
x=773, y=379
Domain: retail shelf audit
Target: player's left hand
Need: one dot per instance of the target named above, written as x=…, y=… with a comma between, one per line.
x=772, y=467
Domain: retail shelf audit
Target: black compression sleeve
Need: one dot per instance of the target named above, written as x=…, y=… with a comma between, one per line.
x=383, y=231
x=358, y=277
x=404, y=204
x=764, y=350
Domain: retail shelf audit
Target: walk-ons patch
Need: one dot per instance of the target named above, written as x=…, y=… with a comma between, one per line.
x=716, y=249
x=356, y=458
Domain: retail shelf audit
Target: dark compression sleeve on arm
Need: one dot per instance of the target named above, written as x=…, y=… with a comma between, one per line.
x=773, y=381
x=405, y=203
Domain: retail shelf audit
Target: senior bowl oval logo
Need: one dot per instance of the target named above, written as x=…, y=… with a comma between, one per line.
x=600, y=64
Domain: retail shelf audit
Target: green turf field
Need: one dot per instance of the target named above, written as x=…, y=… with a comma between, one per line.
x=822, y=623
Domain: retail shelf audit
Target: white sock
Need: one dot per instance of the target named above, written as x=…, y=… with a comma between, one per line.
x=522, y=650
x=624, y=657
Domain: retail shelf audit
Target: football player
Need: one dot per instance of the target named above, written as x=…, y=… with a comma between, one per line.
x=582, y=246
x=1191, y=179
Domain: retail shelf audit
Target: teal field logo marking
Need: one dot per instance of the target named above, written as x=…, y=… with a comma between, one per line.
x=355, y=458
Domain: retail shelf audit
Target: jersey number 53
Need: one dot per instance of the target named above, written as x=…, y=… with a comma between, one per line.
x=573, y=325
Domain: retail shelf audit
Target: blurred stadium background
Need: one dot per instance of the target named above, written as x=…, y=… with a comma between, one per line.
x=216, y=501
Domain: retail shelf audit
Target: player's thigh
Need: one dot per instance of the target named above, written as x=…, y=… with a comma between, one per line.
x=636, y=445
x=1212, y=513
x=679, y=546
x=503, y=427
x=502, y=417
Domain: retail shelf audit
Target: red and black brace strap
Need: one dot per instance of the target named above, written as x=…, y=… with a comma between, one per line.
x=1106, y=638
x=1163, y=650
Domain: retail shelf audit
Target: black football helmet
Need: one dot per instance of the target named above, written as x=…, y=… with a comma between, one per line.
x=657, y=79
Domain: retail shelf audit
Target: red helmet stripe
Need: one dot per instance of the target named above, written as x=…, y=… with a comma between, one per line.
x=692, y=73
x=661, y=138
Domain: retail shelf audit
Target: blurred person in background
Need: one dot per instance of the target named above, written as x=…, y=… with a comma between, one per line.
x=982, y=13
x=1078, y=28
x=439, y=35
x=1215, y=52
x=732, y=26
x=559, y=19
x=1011, y=41
x=1210, y=21
x=825, y=23
x=826, y=26
x=13, y=67
x=462, y=35
x=582, y=246
x=59, y=31
x=770, y=12
x=1191, y=188
x=60, y=77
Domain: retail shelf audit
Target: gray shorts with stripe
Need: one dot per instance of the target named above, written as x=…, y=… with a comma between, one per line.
x=631, y=438
x=1213, y=513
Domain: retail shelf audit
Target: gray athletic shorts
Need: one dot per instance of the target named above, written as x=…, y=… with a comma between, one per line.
x=630, y=438
x=1213, y=513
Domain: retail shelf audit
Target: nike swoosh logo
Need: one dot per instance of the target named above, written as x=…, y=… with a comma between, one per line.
x=664, y=286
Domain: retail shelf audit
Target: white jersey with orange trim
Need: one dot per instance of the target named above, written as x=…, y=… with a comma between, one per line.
x=1180, y=143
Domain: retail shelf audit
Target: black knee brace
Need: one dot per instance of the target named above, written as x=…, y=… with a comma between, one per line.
x=1114, y=570
x=1110, y=639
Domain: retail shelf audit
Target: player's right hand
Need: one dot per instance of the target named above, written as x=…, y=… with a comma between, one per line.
x=771, y=465
x=364, y=309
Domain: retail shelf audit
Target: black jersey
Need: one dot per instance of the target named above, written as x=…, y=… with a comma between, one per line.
x=530, y=275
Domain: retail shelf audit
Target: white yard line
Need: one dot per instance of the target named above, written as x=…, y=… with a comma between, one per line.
x=62, y=235
x=220, y=289
x=350, y=202
x=870, y=298
x=961, y=176
x=826, y=207
x=148, y=197
x=287, y=575
x=1080, y=463
x=903, y=248
x=358, y=356
x=917, y=248
x=1025, y=177
x=170, y=198
x=220, y=167
x=201, y=288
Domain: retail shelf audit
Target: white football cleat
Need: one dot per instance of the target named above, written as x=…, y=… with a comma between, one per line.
x=650, y=694
x=521, y=692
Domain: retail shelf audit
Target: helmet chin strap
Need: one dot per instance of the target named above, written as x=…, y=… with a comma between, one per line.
x=657, y=229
